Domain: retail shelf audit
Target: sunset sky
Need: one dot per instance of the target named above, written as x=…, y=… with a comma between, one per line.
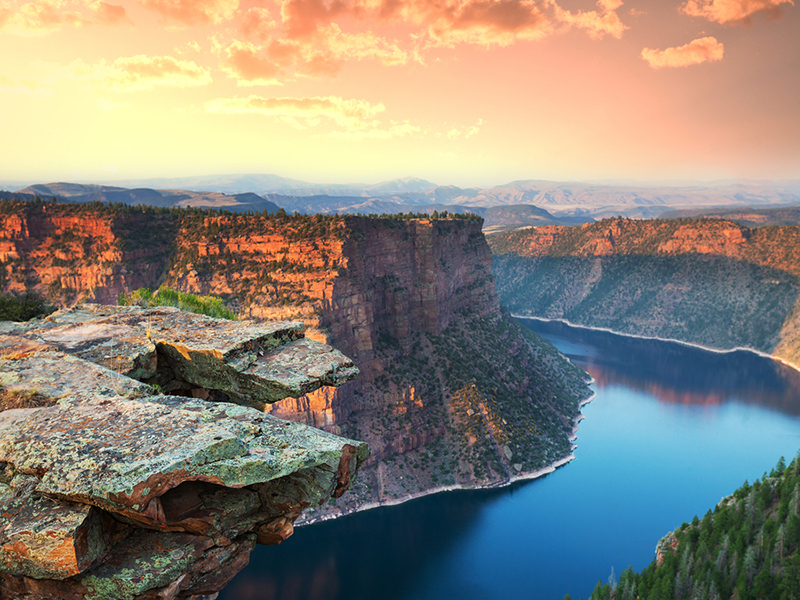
x=470, y=92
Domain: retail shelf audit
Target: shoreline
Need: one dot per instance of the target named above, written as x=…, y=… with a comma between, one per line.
x=531, y=475
x=660, y=339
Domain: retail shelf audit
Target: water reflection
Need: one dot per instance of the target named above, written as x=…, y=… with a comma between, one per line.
x=672, y=430
x=374, y=554
x=676, y=373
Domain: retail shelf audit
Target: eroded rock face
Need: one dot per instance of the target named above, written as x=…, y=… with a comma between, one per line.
x=109, y=489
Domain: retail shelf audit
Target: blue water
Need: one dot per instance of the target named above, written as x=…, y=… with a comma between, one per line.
x=672, y=430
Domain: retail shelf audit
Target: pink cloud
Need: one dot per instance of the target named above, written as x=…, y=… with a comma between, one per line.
x=725, y=11
x=321, y=54
x=596, y=23
x=245, y=63
x=109, y=14
x=701, y=50
x=193, y=12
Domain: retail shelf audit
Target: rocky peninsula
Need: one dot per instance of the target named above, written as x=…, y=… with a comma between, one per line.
x=135, y=461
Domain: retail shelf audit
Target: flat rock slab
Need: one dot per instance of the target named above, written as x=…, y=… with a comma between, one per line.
x=56, y=375
x=301, y=366
x=242, y=359
x=121, y=348
x=119, y=453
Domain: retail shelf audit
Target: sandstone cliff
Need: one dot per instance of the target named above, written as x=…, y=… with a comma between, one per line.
x=452, y=392
x=709, y=282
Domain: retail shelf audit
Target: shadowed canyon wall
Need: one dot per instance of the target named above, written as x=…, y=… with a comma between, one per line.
x=709, y=282
x=452, y=391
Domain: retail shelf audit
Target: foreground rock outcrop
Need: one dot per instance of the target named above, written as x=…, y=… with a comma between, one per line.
x=110, y=489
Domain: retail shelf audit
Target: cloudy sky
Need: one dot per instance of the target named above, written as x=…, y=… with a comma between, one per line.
x=463, y=92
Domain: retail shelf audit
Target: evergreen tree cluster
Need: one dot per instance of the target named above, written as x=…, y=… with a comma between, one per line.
x=746, y=549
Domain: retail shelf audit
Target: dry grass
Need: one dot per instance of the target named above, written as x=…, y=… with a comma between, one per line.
x=22, y=399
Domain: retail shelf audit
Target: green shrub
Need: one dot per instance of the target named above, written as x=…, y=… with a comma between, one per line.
x=23, y=307
x=164, y=296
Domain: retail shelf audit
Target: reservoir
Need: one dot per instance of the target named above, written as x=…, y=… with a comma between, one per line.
x=671, y=431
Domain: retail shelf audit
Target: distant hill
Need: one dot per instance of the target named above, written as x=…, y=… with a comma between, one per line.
x=749, y=217
x=12, y=195
x=496, y=218
x=602, y=200
x=710, y=282
x=586, y=201
x=566, y=202
x=514, y=216
x=274, y=184
x=76, y=193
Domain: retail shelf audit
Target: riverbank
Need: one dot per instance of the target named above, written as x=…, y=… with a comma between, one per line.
x=486, y=486
x=660, y=339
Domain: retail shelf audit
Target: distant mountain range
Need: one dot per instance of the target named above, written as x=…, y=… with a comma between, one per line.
x=274, y=184
x=562, y=202
x=79, y=193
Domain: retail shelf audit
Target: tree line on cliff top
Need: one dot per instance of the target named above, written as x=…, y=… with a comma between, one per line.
x=15, y=205
x=748, y=548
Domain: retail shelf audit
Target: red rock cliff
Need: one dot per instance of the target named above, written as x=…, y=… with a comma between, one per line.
x=451, y=391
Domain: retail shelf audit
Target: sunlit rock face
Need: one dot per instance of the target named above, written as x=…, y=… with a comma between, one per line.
x=109, y=489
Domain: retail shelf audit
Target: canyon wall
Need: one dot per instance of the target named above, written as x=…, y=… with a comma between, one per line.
x=710, y=282
x=452, y=391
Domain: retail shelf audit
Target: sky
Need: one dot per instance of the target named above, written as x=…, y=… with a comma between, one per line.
x=459, y=92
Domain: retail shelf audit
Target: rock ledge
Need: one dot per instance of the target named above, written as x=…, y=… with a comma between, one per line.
x=110, y=489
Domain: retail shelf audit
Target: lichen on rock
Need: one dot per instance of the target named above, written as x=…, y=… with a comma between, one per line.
x=109, y=489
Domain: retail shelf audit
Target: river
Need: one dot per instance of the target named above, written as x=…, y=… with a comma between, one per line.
x=672, y=430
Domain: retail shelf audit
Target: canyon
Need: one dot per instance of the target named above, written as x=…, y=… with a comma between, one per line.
x=452, y=391
x=708, y=281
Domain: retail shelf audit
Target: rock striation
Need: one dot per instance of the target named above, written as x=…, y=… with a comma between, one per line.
x=110, y=489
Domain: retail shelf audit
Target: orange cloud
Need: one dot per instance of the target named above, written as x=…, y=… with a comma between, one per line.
x=109, y=14
x=697, y=51
x=448, y=22
x=142, y=73
x=483, y=22
x=323, y=53
x=725, y=11
x=302, y=112
x=596, y=23
x=44, y=16
x=193, y=12
x=257, y=24
x=245, y=63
